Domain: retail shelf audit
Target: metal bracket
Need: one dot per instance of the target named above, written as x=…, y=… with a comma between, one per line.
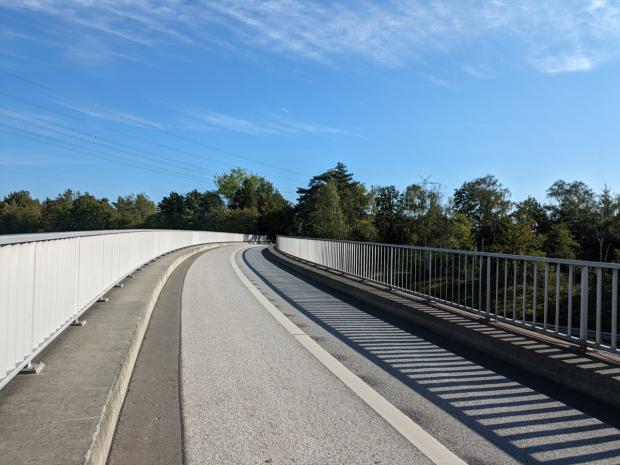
x=103, y=299
x=119, y=285
x=33, y=368
x=78, y=322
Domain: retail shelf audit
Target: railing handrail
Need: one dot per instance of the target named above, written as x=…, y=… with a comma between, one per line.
x=534, y=258
x=7, y=239
x=559, y=297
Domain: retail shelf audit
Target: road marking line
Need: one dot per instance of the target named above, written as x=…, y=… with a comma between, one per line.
x=414, y=433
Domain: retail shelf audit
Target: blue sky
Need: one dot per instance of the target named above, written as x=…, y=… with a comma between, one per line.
x=139, y=96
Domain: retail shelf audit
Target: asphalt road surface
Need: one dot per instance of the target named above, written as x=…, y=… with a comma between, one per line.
x=250, y=393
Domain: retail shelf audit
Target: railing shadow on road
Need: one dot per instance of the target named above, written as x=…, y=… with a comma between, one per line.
x=515, y=413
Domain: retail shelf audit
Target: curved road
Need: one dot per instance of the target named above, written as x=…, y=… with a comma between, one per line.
x=250, y=393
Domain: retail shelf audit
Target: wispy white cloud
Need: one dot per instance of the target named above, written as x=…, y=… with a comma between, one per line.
x=478, y=72
x=553, y=36
x=437, y=81
x=95, y=52
x=103, y=113
x=281, y=123
x=212, y=121
x=286, y=123
x=565, y=64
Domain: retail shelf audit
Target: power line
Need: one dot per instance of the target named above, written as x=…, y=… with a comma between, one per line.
x=56, y=178
x=116, y=131
x=114, y=157
x=145, y=123
x=89, y=151
x=84, y=136
x=48, y=140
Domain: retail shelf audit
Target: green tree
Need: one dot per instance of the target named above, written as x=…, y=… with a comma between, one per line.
x=575, y=205
x=90, y=213
x=201, y=210
x=71, y=211
x=521, y=238
x=364, y=230
x=20, y=213
x=354, y=201
x=607, y=223
x=133, y=211
x=560, y=242
x=252, y=193
x=228, y=184
x=487, y=203
x=388, y=215
x=57, y=212
x=427, y=214
x=459, y=233
x=241, y=220
x=171, y=211
x=326, y=217
x=526, y=228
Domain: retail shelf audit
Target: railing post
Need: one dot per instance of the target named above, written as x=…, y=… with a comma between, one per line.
x=534, y=295
x=430, y=273
x=524, y=309
x=391, y=271
x=488, y=316
x=599, y=303
x=583, y=320
x=614, y=309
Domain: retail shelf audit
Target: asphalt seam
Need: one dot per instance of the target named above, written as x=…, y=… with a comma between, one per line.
x=409, y=429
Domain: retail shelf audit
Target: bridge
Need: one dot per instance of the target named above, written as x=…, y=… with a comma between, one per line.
x=187, y=347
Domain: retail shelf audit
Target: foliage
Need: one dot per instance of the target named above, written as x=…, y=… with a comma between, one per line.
x=228, y=184
x=388, y=215
x=133, y=211
x=576, y=222
x=353, y=199
x=19, y=212
x=560, y=242
x=487, y=203
x=326, y=218
x=243, y=202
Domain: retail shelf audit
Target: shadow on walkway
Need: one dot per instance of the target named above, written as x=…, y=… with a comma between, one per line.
x=511, y=409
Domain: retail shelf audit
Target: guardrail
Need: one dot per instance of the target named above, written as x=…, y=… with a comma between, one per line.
x=566, y=299
x=48, y=280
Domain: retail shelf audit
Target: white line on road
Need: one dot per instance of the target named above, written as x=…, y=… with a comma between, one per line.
x=413, y=432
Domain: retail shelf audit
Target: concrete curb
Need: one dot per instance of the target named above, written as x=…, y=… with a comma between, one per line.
x=104, y=433
x=586, y=373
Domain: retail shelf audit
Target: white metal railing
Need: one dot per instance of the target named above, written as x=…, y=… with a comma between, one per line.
x=567, y=299
x=48, y=280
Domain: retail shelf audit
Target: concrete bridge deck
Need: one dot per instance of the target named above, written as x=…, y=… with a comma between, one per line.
x=225, y=377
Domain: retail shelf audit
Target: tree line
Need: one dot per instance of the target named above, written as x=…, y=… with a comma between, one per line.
x=574, y=221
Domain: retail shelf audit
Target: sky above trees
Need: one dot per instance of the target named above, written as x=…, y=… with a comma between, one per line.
x=154, y=97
